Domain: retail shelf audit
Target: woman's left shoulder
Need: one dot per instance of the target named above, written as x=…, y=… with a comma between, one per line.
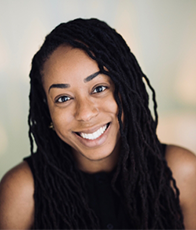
x=182, y=163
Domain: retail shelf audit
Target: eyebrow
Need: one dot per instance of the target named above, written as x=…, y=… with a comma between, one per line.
x=61, y=86
x=64, y=86
x=90, y=77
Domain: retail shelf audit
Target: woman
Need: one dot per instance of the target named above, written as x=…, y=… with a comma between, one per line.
x=98, y=161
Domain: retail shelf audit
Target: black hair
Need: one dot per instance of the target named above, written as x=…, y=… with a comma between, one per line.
x=148, y=188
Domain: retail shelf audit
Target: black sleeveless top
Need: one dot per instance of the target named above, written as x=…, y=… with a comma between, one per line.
x=103, y=200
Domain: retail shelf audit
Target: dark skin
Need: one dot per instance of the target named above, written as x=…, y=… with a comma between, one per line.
x=88, y=105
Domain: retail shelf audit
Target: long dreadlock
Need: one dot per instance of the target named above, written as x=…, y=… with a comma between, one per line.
x=146, y=178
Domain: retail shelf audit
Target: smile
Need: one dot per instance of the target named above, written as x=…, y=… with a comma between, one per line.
x=95, y=135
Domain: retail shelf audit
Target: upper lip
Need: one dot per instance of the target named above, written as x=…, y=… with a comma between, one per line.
x=91, y=130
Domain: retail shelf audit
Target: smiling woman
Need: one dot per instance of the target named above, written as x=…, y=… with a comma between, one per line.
x=83, y=109
x=98, y=162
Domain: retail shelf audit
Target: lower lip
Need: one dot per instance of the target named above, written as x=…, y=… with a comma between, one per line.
x=96, y=142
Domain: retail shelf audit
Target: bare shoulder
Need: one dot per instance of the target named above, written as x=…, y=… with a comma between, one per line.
x=182, y=163
x=16, y=198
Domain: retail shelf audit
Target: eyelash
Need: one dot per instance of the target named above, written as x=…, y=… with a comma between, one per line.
x=100, y=86
x=63, y=100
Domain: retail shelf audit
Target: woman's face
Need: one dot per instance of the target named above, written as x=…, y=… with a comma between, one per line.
x=81, y=104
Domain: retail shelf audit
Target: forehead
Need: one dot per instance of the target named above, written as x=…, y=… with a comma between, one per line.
x=68, y=65
x=67, y=58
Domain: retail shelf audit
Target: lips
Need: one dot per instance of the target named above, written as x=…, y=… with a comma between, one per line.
x=94, y=135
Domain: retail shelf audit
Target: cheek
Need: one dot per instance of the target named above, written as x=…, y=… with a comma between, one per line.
x=110, y=105
x=60, y=118
x=62, y=122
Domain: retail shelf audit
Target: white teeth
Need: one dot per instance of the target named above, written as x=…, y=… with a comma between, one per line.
x=95, y=135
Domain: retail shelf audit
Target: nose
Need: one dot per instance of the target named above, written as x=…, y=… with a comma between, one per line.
x=86, y=110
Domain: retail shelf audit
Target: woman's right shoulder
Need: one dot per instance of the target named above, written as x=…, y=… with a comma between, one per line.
x=16, y=198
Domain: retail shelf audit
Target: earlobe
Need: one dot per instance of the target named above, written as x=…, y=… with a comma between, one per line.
x=51, y=126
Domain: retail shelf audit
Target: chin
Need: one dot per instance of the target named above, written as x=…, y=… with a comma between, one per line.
x=100, y=154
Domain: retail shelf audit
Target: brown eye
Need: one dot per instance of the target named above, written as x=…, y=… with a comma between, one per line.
x=63, y=99
x=99, y=89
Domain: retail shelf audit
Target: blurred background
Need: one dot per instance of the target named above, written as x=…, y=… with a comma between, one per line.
x=161, y=34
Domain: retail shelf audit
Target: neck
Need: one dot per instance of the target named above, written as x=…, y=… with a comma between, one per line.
x=104, y=165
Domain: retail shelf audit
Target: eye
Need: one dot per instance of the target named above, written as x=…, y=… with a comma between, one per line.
x=99, y=89
x=62, y=99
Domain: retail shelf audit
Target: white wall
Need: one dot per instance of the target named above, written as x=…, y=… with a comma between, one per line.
x=162, y=35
